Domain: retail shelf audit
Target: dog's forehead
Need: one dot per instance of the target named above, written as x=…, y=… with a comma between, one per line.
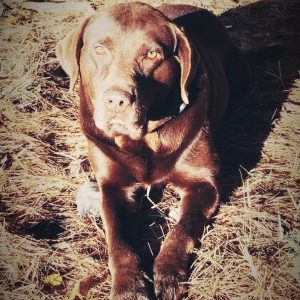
x=137, y=15
x=101, y=26
x=134, y=24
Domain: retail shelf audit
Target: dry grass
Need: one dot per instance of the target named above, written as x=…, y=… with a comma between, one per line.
x=252, y=249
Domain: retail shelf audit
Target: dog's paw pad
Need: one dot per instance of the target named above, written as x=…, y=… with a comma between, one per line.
x=88, y=199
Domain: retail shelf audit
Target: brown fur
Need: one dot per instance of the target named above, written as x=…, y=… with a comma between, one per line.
x=201, y=69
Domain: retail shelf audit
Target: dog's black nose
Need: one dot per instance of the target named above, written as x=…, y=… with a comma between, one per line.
x=117, y=100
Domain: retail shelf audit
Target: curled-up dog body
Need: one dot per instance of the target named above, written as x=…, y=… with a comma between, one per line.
x=154, y=85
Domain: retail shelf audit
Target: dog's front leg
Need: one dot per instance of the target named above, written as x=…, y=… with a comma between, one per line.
x=199, y=201
x=118, y=212
x=120, y=223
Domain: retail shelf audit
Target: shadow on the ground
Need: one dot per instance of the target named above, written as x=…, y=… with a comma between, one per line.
x=268, y=32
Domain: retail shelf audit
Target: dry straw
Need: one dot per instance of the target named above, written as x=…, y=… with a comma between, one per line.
x=250, y=251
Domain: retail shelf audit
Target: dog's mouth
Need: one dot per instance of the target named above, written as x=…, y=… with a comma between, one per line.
x=116, y=124
x=118, y=127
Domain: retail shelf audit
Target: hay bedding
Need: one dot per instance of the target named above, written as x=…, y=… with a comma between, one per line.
x=250, y=251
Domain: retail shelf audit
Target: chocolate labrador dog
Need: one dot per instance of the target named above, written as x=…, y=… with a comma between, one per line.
x=154, y=85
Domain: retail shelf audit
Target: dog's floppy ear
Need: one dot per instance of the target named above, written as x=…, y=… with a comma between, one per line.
x=184, y=53
x=68, y=52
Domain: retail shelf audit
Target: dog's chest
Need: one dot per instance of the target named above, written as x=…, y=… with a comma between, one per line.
x=147, y=161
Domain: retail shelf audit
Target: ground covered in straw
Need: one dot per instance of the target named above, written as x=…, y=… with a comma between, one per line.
x=250, y=251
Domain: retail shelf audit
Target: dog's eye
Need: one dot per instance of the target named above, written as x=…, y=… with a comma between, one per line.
x=153, y=54
x=100, y=50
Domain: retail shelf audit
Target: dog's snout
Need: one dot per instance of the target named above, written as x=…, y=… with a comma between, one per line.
x=117, y=100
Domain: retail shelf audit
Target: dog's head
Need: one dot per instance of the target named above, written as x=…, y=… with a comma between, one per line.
x=130, y=58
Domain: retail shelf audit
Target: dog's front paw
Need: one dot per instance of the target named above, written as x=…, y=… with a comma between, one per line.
x=129, y=295
x=169, y=280
x=130, y=285
x=88, y=199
